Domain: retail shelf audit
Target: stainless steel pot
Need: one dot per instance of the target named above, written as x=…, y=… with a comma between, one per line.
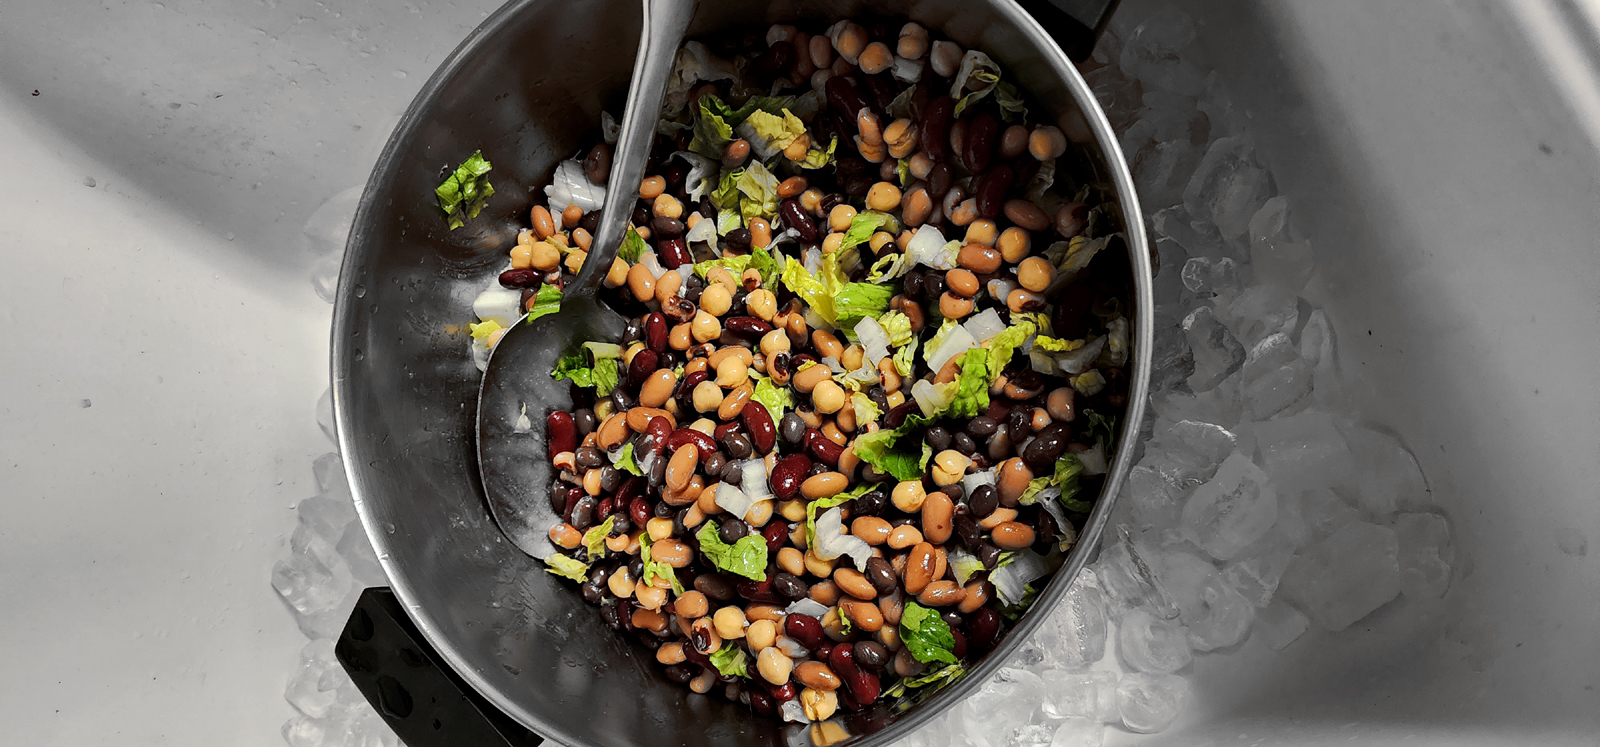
x=527, y=88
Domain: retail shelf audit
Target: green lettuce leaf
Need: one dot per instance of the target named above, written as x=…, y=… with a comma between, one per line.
x=763, y=263
x=867, y=411
x=1101, y=429
x=726, y=196
x=734, y=265
x=823, y=504
x=972, y=389
x=758, y=189
x=926, y=634
x=482, y=330
x=857, y=300
x=866, y=223
x=546, y=301
x=567, y=567
x=1068, y=467
x=747, y=557
x=905, y=359
x=654, y=568
x=779, y=130
x=1089, y=383
x=817, y=158
x=627, y=463
x=606, y=375
x=845, y=625
x=466, y=191
x=632, y=246
x=712, y=130
x=1013, y=612
x=1003, y=345
x=889, y=451
x=902, y=169
x=588, y=368
x=981, y=75
x=818, y=292
x=594, y=540
x=776, y=398
x=574, y=367
x=1031, y=493
x=898, y=327
x=727, y=220
x=730, y=660
x=1048, y=344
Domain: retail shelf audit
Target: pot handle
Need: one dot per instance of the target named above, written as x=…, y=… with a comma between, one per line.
x=1074, y=24
x=425, y=702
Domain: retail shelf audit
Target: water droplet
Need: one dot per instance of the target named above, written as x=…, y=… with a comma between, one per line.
x=361, y=291
x=88, y=181
x=389, y=527
x=399, y=73
x=360, y=356
x=228, y=236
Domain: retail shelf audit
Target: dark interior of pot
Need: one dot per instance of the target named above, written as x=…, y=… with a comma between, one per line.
x=527, y=89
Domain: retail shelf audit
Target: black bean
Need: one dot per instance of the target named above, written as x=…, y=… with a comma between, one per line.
x=933, y=285
x=732, y=530
x=968, y=531
x=897, y=416
x=792, y=429
x=621, y=401
x=713, y=464
x=983, y=501
x=1042, y=451
x=999, y=445
x=954, y=491
x=871, y=654
x=714, y=586
x=661, y=511
x=588, y=457
x=911, y=284
x=873, y=474
x=636, y=567
x=987, y=554
x=590, y=221
x=583, y=513
x=937, y=437
x=790, y=586
x=881, y=575
x=871, y=503
x=1019, y=424
x=665, y=226
x=641, y=216
x=982, y=427
x=963, y=443
x=738, y=239
x=682, y=672
x=611, y=478
x=585, y=420
x=738, y=446
x=613, y=619
x=817, y=469
x=593, y=593
x=732, y=474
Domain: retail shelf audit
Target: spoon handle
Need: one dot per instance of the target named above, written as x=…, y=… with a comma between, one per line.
x=665, y=22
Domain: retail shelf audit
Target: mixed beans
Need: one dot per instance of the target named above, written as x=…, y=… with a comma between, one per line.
x=699, y=344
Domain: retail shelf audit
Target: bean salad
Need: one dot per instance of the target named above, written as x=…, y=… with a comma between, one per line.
x=871, y=378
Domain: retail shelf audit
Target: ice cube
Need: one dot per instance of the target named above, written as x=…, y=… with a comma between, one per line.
x=1197, y=238
x=1079, y=732
x=1216, y=352
x=1274, y=377
x=329, y=471
x=1255, y=572
x=1151, y=498
x=1162, y=170
x=1345, y=577
x=1195, y=449
x=312, y=582
x=1304, y=451
x=1006, y=701
x=1227, y=187
x=356, y=549
x=1126, y=577
x=1146, y=643
x=1149, y=702
x=1182, y=577
x=1276, y=254
x=1153, y=53
x=304, y=731
x=1226, y=620
x=306, y=691
x=1074, y=635
x=1231, y=511
x=325, y=277
x=1258, y=312
x=325, y=416
x=326, y=517
x=1085, y=695
x=1317, y=348
x=1389, y=479
x=1031, y=735
x=1211, y=277
x=1425, y=554
x=1324, y=512
x=1279, y=625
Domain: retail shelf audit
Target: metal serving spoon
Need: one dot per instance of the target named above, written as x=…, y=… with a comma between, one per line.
x=512, y=452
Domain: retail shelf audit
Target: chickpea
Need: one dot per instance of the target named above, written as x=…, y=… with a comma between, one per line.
x=833, y=242
x=707, y=396
x=1046, y=143
x=849, y=40
x=762, y=303
x=705, y=327
x=981, y=232
x=811, y=201
x=1035, y=274
x=715, y=299
x=729, y=622
x=522, y=256
x=883, y=197
x=652, y=187
x=544, y=256
x=949, y=466
x=773, y=665
x=828, y=397
x=908, y=496
x=839, y=218
x=761, y=635
x=913, y=42
x=876, y=58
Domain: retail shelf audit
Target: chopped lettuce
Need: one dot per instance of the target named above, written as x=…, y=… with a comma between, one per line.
x=1035, y=486
x=733, y=265
x=482, y=330
x=730, y=660
x=632, y=246
x=752, y=191
x=818, y=290
x=1047, y=344
x=823, y=504
x=769, y=134
x=888, y=267
x=926, y=634
x=905, y=358
x=866, y=223
x=898, y=326
x=902, y=169
x=546, y=301
x=972, y=388
x=867, y=411
x=654, y=568
x=856, y=301
x=711, y=131
x=1102, y=429
x=715, y=122
x=763, y=263
x=982, y=75
x=776, y=398
x=817, y=158
x=747, y=557
x=727, y=220
x=1002, y=346
x=1068, y=467
x=890, y=452
x=464, y=193
x=566, y=566
x=627, y=463
x=593, y=366
x=694, y=64
x=1013, y=612
x=594, y=540
x=1089, y=383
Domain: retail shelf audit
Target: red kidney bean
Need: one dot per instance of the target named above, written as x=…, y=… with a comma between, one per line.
x=561, y=432
x=794, y=217
x=805, y=629
x=821, y=653
x=644, y=363
x=758, y=422
x=984, y=628
x=746, y=326
x=823, y=449
x=605, y=508
x=597, y=165
x=787, y=475
x=785, y=691
x=897, y=415
x=723, y=431
x=655, y=332
x=775, y=61
x=775, y=533
x=1071, y=305
x=686, y=385
x=658, y=429
x=685, y=436
x=843, y=96
x=846, y=700
x=862, y=684
x=759, y=591
x=990, y=191
x=978, y=150
x=674, y=253
x=1071, y=219
x=761, y=703
x=882, y=89
x=521, y=278
x=960, y=649
x=935, y=135
x=571, y=503
x=639, y=510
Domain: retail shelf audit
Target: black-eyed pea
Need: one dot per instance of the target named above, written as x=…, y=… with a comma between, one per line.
x=904, y=536
x=952, y=306
x=1023, y=300
x=670, y=653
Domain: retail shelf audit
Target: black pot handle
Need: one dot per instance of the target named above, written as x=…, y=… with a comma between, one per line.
x=422, y=700
x=1074, y=24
